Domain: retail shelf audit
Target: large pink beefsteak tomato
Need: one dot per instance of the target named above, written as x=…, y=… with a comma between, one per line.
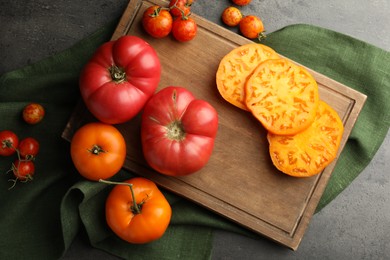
x=178, y=132
x=119, y=79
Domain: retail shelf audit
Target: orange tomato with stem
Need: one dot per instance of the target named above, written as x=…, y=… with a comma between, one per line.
x=137, y=211
x=252, y=27
x=98, y=151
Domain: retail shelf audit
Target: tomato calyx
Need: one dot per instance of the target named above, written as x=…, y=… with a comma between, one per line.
x=175, y=131
x=118, y=74
x=96, y=150
x=7, y=144
x=261, y=36
x=135, y=208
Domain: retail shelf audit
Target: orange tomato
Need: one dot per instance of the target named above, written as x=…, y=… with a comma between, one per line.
x=98, y=151
x=139, y=214
x=236, y=67
x=282, y=96
x=252, y=27
x=242, y=2
x=310, y=151
x=231, y=16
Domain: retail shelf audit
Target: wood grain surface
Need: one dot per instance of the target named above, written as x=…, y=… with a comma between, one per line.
x=239, y=182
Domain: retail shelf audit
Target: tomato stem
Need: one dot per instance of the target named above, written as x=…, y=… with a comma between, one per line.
x=135, y=208
x=261, y=36
x=117, y=74
x=96, y=150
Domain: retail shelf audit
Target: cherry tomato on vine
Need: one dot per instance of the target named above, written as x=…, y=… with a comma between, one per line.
x=242, y=2
x=252, y=27
x=157, y=21
x=98, y=151
x=33, y=113
x=9, y=142
x=28, y=148
x=23, y=170
x=184, y=29
x=231, y=16
x=138, y=214
x=180, y=7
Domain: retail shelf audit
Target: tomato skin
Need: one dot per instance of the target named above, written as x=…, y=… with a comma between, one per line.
x=157, y=22
x=252, y=27
x=28, y=148
x=184, y=29
x=9, y=142
x=242, y=2
x=150, y=224
x=33, y=113
x=231, y=16
x=23, y=170
x=120, y=77
x=183, y=7
x=98, y=151
x=178, y=132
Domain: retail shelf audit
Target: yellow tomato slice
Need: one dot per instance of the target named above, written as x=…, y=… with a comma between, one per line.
x=310, y=151
x=282, y=96
x=236, y=67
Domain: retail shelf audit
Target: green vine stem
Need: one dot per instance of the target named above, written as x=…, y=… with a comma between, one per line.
x=135, y=208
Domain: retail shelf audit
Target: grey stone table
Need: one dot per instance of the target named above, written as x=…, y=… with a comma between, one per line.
x=356, y=225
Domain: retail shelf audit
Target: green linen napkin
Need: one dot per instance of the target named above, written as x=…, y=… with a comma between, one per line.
x=40, y=219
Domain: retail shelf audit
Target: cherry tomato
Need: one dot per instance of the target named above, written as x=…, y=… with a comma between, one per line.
x=157, y=21
x=231, y=16
x=28, y=148
x=184, y=29
x=180, y=7
x=9, y=142
x=242, y=2
x=33, y=113
x=98, y=150
x=120, y=77
x=252, y=27
x=178, y=131
x=138, y=215
x=23, y=170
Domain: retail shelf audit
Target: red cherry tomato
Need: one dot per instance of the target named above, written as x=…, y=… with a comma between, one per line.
x=120, y=77
x=252, y=27
x=180, y=7
x=23, y=170
x=9, y=142
x=184, y=29
x=178, y=131
x=157, y=22
x=242, y=2
x=33, y=113
x=28, y=148
x=231, y=16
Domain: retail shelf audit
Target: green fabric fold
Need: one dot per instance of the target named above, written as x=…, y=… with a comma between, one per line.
x=40, y=219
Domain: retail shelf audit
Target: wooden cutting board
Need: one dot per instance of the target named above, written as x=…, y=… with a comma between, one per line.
x=239, y=182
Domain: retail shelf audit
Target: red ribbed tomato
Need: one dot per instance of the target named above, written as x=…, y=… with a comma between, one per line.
x=178, y=131
x=119, y=79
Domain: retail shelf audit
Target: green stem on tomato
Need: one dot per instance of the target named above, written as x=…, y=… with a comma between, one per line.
x=118, y=75
x=135, y=208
